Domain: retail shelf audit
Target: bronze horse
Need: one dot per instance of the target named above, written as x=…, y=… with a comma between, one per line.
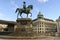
x=25, y=10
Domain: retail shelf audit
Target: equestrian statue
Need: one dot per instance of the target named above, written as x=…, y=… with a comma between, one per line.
x=25, y=10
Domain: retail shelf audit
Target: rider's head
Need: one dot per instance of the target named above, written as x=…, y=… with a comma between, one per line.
x=24, y=2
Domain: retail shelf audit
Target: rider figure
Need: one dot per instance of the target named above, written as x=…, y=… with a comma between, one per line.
x=24, y=5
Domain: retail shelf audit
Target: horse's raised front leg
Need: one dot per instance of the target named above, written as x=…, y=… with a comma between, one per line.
x=17, y=15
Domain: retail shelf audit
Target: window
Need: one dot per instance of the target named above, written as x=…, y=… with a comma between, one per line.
x=40, y=25
x=40, y=28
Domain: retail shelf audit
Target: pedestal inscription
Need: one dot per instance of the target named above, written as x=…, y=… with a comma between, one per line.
x=24, y=21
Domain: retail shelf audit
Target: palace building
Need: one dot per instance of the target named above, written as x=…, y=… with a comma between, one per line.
x=44, y=26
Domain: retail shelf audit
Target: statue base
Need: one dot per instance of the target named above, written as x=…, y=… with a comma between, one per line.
x=24, y=27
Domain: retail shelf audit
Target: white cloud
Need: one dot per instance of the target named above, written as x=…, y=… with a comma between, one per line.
x=13, y=3
x=37, y=10
x=8, y=19
x=1, y=14
x=42, y=1
x=4, y=17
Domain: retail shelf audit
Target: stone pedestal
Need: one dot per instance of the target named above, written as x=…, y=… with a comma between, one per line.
x=21, y=22
x=24, y=26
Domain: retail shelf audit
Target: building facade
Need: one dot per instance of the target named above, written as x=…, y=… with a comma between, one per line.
x=7, y=26
x=44, y=26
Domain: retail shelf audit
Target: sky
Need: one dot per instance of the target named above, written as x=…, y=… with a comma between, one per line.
x=49, y=8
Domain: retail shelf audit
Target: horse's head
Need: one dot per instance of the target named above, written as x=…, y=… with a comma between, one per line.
x=17, y=10
x=30, y=6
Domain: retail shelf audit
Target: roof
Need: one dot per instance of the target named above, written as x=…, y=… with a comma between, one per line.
x=13, y=22
x=49, y=19
x=44, y=19
x=7, y=22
